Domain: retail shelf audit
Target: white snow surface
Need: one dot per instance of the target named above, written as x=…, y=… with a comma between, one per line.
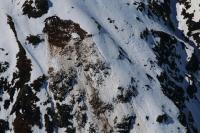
x=107, y=41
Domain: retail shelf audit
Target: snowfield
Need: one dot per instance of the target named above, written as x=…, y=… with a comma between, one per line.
x=99, y=66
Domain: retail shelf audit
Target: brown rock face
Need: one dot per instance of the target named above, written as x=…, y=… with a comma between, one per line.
x=60, y=31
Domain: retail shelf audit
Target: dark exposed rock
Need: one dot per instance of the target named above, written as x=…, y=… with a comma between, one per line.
x=147, y=118
x=110, y=20
x=64, y=120
x=92, y=129
x=125, y=94
x=3, y=66
x=61, y=83
x=165, y=48
x=49, y=125
x=162, y=118
x=191, y=90
x=144, y=34
x=191, y=24
x=35, y=8
x=126, y=124
x=60, y=31
x=60, y=118
x=39, y=82
x=193, y=64
x=4, y=126
x=29, y=114
x=11, y=24
x=156, y=9
x=149, y=77
x=23, y=64
x=6, y=104
x=80, y=114
x=98, y=67
x=185, y=2
x=140, y=6
x=98, y=105
x=182, y=119
x=34, y=39
x=170, y=89
x=123, y=55
x=171, y=79
x=161, y=10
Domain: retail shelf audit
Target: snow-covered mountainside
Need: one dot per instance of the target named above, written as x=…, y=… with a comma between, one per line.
x=99, y=66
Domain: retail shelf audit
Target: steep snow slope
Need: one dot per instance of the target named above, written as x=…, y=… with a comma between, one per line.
x=98, y=66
